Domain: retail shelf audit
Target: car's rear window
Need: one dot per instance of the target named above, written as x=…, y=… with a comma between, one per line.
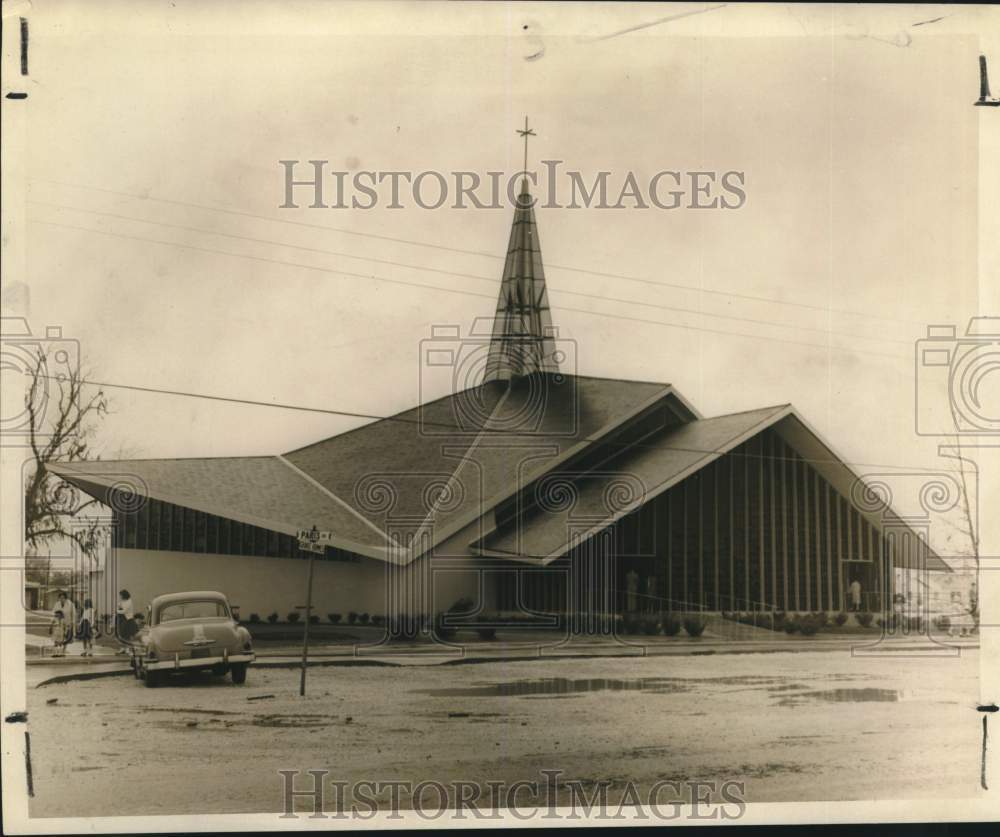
x=192, y=610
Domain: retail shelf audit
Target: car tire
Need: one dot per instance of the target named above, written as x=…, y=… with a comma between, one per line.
x=153, y=679
x=239, y=673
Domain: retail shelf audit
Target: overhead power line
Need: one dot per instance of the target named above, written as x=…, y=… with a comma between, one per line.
x=452, y=426
x=445, y=289
x=492, y=282
x=477, y=253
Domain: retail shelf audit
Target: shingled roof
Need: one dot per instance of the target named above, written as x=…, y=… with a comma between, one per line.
x=437, y=466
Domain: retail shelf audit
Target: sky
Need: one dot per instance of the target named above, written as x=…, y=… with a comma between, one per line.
x=154, y=234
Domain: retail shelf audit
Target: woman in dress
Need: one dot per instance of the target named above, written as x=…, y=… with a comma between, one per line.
x=85, y=630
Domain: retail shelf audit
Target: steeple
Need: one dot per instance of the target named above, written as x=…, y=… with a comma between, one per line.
x=522, y=342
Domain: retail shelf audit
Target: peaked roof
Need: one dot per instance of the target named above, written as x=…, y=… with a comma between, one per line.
x=659, y=463
x=438, y=467
x=522, y=341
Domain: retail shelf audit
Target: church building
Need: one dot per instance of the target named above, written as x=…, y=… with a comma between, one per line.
x=530, y=491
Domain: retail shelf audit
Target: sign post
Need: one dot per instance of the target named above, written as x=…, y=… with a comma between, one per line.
x=310, y=543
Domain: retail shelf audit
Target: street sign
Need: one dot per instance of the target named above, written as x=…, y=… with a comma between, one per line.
x=309, y=546
x=315, y=535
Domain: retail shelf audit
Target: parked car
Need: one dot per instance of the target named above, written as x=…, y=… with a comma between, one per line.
x=186, y=631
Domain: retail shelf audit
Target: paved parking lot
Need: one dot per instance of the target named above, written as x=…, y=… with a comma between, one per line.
x=807, y=725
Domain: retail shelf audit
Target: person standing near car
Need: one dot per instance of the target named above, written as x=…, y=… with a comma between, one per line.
x=125, y=622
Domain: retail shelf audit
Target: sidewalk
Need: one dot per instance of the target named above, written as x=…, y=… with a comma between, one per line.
x=40, y=649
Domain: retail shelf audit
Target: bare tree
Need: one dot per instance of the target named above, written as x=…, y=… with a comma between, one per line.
x=61, y=422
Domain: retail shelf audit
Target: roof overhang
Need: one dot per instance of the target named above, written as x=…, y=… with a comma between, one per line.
x=100, y=487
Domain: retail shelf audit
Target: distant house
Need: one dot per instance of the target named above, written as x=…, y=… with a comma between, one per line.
x=32, y=595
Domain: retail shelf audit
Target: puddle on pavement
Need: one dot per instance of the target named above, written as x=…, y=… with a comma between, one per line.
x=296, y=721
x=845, y=696
x=561, y=687
x=182, y=710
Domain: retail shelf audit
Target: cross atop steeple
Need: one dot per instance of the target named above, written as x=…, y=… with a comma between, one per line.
x=527, y=132
x=523, y=341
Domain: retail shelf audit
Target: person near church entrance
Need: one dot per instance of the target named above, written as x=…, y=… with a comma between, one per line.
x=651, y=594
x=855, y=593
x=631, y=591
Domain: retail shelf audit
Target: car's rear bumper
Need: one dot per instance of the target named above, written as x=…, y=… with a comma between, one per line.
x=177, y=662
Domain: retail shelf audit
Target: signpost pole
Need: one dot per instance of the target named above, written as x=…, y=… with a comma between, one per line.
x=305, y=628
x=313, y=546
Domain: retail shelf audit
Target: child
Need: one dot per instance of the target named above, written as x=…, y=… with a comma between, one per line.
x=84, y=631
x=60, y=634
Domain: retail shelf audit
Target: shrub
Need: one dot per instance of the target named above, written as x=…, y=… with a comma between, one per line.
x=293, y=617
x=313, y=618
x=942, y=623
x=764, y=620
x=363, y=619
x=880, y=622
x=694, y=625
x=352, y=617
x=463, y=605
x=272, y=618
x=441, y=630
x=791, y=625
x=333, y=617
x=254, y=618
x=378, y=620
x=821, y=619
x=865, y=620
x=630, y=623
x=809, y=625
x=840, y=619
x=671, y=625
x=649, y=625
